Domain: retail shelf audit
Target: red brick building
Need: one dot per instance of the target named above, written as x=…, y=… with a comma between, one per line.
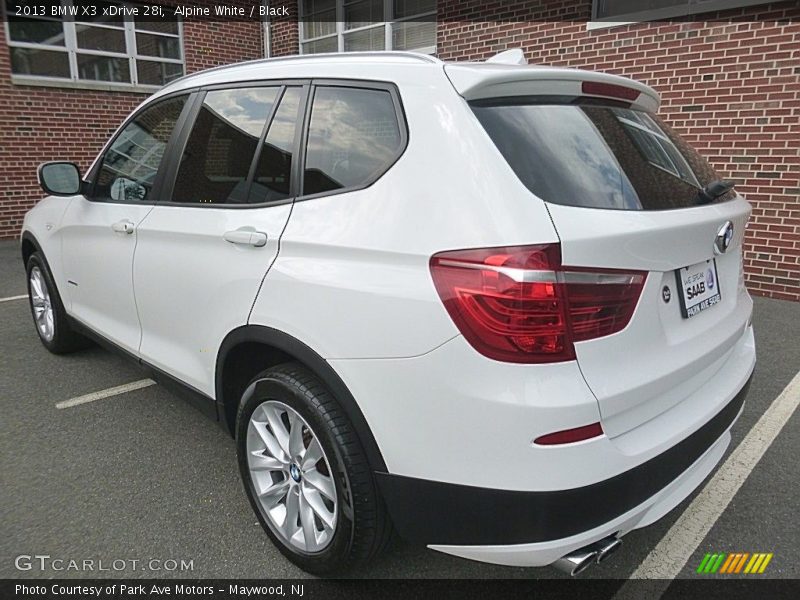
x=728, y=72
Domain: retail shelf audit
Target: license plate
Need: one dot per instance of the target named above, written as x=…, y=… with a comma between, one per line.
x=699, y=287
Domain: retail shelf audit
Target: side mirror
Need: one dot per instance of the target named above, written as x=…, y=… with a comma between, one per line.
x=59, y=178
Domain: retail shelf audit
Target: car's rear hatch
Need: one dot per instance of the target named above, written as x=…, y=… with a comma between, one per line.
x=625, y=192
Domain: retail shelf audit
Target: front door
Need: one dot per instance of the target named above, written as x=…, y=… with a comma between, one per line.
x=100, y=229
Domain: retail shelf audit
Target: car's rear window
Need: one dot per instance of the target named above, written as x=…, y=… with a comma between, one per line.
x=597, y=156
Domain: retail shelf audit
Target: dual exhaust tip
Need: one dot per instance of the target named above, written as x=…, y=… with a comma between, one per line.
x=579, y=560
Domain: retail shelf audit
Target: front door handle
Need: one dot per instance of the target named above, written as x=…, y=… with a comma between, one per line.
x=247, y=236
x=124, y=226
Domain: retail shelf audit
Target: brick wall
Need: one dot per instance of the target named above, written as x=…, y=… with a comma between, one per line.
x=730, y=85
x=38, y=124
x=284, y=33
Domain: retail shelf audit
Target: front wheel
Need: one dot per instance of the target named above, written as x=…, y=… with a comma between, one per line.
x=48, y=311
x=306, y=474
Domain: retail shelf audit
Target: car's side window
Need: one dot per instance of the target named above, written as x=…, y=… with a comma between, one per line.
x=129, y=166
x=215, y=164
x=271, y=179
x=353, y=137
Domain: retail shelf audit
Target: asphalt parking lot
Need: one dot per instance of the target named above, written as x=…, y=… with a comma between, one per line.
x=144, y=475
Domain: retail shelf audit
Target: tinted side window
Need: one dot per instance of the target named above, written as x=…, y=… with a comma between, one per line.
x=353, y=137
x=218, y=154
x=130, y=164
x=274, y=167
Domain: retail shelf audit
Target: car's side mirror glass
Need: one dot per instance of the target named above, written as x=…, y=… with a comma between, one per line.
x=60, y=178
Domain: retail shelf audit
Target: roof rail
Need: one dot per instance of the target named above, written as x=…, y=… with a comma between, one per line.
x=425, y=58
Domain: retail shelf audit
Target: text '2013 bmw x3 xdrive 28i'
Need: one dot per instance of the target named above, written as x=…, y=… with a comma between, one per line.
x=499, y=309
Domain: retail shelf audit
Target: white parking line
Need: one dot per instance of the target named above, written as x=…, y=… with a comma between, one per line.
x=114, y=391
x=667, y=559
x=10, y=298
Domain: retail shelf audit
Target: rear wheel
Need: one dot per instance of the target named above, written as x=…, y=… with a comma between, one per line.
x=306, y=474
x=48, y=311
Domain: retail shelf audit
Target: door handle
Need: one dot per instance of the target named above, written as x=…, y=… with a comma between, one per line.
x=246, y=236
x=124, y=226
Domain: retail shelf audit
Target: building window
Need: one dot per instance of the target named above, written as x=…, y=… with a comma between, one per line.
x=635, y=10
x=353, y=25
x=124, y=51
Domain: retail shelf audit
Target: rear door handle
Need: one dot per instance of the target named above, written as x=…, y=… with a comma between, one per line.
x=247, y=236
x=124, y=226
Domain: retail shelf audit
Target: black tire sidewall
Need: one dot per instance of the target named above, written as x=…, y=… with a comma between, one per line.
x=334, y=557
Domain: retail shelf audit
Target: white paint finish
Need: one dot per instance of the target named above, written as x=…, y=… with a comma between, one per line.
x=667, y=357
x=405, y=402
x=667, y=559
x=10, y=298
x=107, y=393
x=352, y=278
x=477, y=81
x=98, y=260
x=193, y=287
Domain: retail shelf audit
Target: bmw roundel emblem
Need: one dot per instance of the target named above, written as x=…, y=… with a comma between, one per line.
x=666, y=294
x=724, y=238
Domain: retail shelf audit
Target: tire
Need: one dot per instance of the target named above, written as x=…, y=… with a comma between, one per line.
x=43, y=298
x=361, y=527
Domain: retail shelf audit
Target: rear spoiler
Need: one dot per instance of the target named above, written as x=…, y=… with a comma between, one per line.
x=480, y=81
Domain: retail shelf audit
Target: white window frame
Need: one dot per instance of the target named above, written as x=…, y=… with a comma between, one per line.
x=692, y=7
x=342, y=31
x=72, y=50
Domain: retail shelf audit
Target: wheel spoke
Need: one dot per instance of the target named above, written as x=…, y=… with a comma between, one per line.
x=307, y=521
x=314, y=500
x=320, y=482
x=296, y=446
x=278, y=428
x=292, y=510
x=274, y=493
x=272, y=445
x=261, y=462
x=312, y=455
x=36, y=285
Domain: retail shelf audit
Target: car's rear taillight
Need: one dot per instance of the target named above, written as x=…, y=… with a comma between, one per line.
x=519, y=304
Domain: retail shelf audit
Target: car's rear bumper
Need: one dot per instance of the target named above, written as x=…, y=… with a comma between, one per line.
x=444, y=514
x=539, y=554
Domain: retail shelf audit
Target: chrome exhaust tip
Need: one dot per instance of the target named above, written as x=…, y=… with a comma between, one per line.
x=577, y=561
x=607, y=547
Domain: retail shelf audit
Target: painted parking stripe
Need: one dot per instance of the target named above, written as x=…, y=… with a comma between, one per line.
x=10, y=298
x=667, y=559
x=107, y=393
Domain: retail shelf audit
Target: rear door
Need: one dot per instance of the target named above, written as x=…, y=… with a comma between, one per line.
x=100, y=230
x=204, y=251
x=624, y=192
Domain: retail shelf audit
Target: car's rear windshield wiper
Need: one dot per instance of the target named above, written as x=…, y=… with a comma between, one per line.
x=715, y=189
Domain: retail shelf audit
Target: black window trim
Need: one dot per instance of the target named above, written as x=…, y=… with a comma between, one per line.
x=402, y=126
x=200, y=93
x=89, y=181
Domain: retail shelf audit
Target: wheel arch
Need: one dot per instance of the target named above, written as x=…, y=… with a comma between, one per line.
x=250, y=345
x=28, y=245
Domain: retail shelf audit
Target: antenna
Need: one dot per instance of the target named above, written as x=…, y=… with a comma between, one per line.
x=515, y=56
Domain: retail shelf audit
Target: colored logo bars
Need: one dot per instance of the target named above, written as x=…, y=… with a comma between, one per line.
x=734, y=563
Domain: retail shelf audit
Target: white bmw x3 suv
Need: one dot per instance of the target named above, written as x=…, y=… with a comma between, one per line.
x=499, y=309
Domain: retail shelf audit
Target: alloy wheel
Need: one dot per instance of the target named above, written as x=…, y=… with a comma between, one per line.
x=42, y=306
x=292, y=477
